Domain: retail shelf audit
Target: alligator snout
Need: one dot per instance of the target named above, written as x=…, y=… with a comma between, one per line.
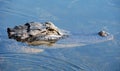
x=10, y=32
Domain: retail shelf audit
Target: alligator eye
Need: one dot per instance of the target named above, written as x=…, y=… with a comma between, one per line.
x=27, y=24
x=51, y=29
x=48, y=23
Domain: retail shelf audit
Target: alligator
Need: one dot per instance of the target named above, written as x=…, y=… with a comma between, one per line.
x=36, y=33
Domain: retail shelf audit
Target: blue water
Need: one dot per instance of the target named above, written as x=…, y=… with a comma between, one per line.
x=73, y=15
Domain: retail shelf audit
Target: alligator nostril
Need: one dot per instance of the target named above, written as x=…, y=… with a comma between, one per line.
x=9, y=32
x=8, y=29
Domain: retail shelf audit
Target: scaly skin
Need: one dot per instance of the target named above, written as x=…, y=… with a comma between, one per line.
x=35, y=31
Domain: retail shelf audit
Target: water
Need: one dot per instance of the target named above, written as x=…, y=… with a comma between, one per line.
x=73, y=15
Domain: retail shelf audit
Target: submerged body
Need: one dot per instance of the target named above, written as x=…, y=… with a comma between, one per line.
x=35, y=33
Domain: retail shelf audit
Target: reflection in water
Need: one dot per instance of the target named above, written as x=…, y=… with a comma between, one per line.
x=38, y=61
x=23, y=49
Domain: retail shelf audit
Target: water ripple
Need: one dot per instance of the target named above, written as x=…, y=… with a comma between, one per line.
x=43, y=61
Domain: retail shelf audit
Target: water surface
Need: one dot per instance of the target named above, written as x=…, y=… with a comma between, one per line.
x=73, y=15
